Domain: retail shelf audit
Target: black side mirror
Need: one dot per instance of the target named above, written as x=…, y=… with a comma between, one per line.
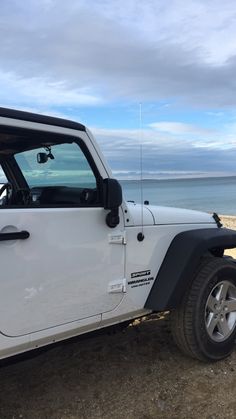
x=112, y=201
x=112, y=193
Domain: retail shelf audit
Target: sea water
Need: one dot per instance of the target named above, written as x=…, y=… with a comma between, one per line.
x=212, y=194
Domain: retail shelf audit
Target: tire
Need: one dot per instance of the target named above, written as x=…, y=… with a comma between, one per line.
x=204, y=326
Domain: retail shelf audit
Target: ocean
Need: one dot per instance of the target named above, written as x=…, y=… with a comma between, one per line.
x=211, y=194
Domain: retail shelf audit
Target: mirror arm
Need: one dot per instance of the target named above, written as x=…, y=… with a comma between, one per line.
x=112, y=218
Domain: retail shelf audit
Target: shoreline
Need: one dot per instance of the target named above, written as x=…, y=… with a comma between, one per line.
x=229, y=221
x=157, y=177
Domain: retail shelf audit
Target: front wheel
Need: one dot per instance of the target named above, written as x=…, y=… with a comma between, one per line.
x=204, y=326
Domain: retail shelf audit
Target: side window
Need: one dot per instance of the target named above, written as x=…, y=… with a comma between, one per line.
x=59, y=175
x=3, y=178
x=3, y=189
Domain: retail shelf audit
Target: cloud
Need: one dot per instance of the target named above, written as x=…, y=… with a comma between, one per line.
x=164, y=152
x=41, y=91
x=62, y=58
x=94, y=52
x=169, y=135
x=180, y=128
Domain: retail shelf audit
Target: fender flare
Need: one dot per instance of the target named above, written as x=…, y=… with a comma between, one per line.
x=181, y=261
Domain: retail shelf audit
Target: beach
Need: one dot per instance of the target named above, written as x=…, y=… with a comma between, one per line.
x=229, y=221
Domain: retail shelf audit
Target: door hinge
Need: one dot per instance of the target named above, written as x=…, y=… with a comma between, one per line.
x=117, y=238
x=116, y=286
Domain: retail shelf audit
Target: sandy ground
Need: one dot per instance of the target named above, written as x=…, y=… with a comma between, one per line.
x=229, y=222
x=138, y=373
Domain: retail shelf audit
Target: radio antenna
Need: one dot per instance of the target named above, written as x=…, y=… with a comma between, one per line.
x=141, y=235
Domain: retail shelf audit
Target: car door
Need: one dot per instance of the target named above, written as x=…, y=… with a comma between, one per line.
x=65, y=269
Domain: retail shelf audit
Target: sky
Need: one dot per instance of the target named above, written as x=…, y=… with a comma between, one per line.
x=96, y=61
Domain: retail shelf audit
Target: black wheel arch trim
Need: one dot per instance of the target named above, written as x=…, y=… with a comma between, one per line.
x=181, y=261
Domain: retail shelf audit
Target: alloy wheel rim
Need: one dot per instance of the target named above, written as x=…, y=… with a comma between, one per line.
x=220, y=311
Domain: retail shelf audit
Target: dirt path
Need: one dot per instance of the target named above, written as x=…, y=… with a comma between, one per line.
x=137, y=374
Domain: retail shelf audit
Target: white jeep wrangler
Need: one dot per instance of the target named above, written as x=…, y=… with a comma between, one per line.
x=75, y=257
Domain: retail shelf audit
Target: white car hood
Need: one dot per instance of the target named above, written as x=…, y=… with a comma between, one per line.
x=168, y=215
x=164, y=215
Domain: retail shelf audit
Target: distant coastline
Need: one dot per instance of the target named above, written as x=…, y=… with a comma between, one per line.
x=135, y=176
x=154, y=179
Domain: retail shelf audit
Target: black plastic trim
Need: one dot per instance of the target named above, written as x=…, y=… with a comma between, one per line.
x=41, y=119
x=217, y=219
x=181, y=261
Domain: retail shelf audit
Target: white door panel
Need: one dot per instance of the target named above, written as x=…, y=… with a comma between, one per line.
x=61, y=273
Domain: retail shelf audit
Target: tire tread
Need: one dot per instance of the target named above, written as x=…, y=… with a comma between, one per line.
x=181, y=319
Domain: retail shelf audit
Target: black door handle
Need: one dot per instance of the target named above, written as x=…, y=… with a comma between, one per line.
x=21, y=235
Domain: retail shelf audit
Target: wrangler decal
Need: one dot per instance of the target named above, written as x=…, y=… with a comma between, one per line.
x=140, y=282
